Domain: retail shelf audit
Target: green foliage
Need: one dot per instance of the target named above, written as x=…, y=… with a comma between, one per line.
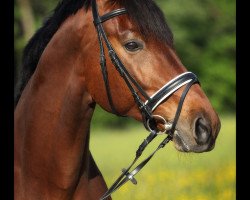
x=18, y=38
x=204, y=33
x=40, y=10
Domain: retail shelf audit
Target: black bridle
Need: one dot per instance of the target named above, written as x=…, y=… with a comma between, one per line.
x=146, y=108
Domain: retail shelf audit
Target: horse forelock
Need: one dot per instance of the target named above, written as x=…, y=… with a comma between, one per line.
x=149, y=19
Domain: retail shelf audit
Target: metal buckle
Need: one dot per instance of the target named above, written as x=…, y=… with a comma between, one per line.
x=130, y=177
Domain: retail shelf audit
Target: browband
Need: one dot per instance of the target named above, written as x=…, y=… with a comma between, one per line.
x=112, y=14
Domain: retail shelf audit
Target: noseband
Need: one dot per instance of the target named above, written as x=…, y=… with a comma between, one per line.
x=146, y=108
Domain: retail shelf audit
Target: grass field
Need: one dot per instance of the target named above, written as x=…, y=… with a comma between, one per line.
x=170, y=175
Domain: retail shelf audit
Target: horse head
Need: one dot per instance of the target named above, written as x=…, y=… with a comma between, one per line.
x=143, y=43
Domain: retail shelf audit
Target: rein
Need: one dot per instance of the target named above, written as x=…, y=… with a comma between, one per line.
x=146, y=108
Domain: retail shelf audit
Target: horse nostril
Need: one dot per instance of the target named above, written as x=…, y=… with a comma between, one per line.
x=202, y=131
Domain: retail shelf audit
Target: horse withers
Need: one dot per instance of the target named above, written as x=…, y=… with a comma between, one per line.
x=140, y=77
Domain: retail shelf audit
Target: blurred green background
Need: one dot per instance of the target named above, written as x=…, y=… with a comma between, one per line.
x=204, y=36
x=170, y=175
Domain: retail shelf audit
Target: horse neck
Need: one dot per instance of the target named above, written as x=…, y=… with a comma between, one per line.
x=52, y=119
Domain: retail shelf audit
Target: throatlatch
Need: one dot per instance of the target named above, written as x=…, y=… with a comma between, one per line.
x=147, y=107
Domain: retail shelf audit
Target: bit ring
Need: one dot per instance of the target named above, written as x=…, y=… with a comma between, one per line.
x=167, y=126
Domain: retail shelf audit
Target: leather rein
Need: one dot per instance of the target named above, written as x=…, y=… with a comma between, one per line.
x=146, y=108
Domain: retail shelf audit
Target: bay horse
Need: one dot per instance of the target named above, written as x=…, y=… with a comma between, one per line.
x=62, y=81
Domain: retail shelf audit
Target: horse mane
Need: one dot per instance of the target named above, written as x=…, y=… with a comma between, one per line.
x=145, y=13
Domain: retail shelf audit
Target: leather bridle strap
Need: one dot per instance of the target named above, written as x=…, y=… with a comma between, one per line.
x=186, y=78
x=126, y=175
x=112, y=14
x=117, y=62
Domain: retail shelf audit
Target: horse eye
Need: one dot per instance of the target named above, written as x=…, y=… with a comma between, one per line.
x=133, y=46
